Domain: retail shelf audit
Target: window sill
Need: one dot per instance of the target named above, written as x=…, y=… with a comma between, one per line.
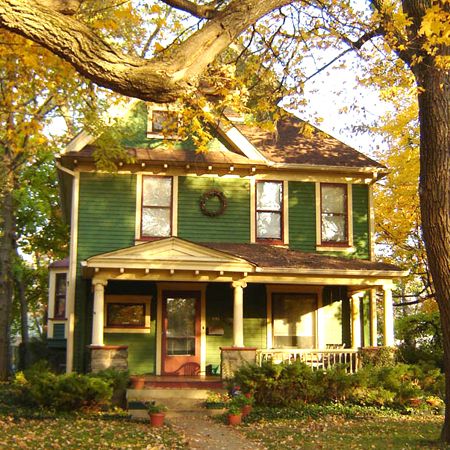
x=129, y=330
x=158, y=135
x=335, y=248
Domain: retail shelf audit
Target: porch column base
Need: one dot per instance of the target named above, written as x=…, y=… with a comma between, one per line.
x=232, y=358
x=108, y=357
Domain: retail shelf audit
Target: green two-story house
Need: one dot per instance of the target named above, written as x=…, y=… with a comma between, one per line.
x=264, y=244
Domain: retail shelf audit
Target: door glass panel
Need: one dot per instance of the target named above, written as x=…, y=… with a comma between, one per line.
x=294, y=320
x=180, y=332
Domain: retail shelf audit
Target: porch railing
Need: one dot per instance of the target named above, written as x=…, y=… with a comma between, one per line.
x=315, y=358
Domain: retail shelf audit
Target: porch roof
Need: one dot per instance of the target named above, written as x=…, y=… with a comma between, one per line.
x=253, y=262
x=282, y=258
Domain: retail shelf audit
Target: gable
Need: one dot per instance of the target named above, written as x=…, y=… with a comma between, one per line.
x=171, y=253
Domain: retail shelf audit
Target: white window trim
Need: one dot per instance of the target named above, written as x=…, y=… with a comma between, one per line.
x=51, y=301
x=349, y=248
x=174, y=213
x=283, y=289
x=284, y=213
x=121, y=298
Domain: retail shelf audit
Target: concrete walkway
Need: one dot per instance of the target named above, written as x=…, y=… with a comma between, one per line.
x=203, y=433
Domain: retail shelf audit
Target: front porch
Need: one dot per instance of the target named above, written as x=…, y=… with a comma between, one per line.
x=174, y=304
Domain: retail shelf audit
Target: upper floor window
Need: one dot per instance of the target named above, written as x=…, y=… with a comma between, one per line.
x=60, y=296
x=334, y=214
x=156, y=206
x=162, y=121
x=269, y=210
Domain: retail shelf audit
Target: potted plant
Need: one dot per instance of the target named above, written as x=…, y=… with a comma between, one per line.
x=156, y=414
x=234, y=413
x=137, y=381
x=245, y=403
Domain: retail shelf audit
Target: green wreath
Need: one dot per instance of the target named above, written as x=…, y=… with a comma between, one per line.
x=207, y=196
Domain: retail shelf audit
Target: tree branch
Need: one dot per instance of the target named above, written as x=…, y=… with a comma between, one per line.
x=200, y=11
x=164, y=78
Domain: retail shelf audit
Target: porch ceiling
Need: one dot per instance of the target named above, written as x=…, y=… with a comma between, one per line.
x=175, y=259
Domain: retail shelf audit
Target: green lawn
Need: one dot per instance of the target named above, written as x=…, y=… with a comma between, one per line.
x=336, y=432
x=84, y=432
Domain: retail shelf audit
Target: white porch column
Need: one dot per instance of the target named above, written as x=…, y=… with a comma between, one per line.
x=388, y=317
x=99, y=305
x=238, y=313
x=373, y=318
x=356, y=319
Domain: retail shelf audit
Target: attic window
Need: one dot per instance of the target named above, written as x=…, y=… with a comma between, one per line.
x=162, y=122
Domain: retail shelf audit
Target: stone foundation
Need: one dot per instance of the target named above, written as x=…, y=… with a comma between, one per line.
x=234, y=357
x=108, y=357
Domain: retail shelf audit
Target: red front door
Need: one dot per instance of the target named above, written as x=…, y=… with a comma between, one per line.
x=181, y=333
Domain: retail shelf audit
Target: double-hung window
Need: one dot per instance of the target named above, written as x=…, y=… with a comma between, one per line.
x=269, y=210
x=60, y=296
x=156, y=207
x=334, y=214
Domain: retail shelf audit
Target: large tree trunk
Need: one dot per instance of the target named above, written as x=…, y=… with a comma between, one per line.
x=25, y=351
x=434, y=116
x=6, y=256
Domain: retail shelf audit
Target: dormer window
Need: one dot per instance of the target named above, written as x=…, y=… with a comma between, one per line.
x=156, y=216
x=269, y=210
x=162, y=121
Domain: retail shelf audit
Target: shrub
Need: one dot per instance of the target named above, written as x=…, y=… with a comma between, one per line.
x=398, y=386
x=42, y=388
x=421, y=336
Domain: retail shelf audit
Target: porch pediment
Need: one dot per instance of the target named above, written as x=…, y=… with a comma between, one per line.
x=170, y=253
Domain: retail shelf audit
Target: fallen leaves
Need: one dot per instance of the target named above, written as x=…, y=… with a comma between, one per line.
x=87, y=432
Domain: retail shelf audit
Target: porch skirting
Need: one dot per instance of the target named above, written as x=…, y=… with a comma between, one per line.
x=108, y=357
x=234, y=357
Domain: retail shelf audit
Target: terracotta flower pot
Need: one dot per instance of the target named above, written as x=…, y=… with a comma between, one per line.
x=137, y=382
x=234, y=419
x=157, y=419
x=246, y=410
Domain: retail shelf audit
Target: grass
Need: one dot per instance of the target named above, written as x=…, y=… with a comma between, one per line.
x=339, y=432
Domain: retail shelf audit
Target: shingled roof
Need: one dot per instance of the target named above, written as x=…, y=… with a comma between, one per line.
x=265, y=256
x=298, y=142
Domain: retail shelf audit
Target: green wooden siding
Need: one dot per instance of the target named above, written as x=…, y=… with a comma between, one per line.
x=141, y=347
x=58, y=331
x=365, y=319
x=255, y=316
x=219, y=314
x=361, y=220
x=302, y=216
x=232, y=226
x=107, y=213
x=141, y=350
x=106, y=222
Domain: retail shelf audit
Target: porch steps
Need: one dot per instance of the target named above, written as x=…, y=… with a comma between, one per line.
x=178, y=400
